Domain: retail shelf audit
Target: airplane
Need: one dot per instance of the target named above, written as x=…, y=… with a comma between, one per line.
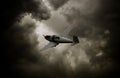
x=55, y=40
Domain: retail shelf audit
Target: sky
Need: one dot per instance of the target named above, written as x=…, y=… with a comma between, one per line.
x=95, y=22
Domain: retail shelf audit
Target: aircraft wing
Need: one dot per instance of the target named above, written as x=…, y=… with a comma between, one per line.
x=49, y=45
x=66, y=31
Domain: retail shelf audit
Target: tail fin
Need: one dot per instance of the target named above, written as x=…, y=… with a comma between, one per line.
x=75, y=40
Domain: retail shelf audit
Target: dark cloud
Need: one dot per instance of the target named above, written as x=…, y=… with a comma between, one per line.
x=18, y=42
x=110, y=17
x=15, y=43
x=11, y=9
x=93, y=27
x=57, y=3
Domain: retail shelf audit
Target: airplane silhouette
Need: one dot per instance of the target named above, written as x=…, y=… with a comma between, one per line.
x=55, y=40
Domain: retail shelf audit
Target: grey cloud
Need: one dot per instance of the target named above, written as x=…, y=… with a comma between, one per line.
x=57, y=3
x=21, y=60
x=18, y=41
x=93, y=27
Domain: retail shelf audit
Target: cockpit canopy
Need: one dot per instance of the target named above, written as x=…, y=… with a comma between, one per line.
x=55, y=37
x=51, y=37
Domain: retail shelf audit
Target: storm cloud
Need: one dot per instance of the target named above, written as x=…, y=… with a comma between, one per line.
x=95, y=22
x=98, y=24
x=56, y=4
x=17, y=39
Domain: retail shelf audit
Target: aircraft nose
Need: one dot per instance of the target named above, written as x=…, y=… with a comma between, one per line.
x=47, y=37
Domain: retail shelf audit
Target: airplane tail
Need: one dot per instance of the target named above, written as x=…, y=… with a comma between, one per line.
x=75, y=40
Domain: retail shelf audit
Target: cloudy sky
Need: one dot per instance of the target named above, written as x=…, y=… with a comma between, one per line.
x=95, y=22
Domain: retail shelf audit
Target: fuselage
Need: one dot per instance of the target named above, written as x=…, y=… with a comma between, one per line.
x=57, y=39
